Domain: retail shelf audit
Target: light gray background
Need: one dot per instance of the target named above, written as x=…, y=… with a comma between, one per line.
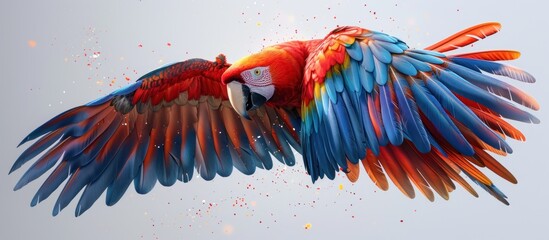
x=38, y=83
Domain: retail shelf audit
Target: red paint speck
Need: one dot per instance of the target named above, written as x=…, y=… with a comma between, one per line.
x=140, y=45
x=169, y=44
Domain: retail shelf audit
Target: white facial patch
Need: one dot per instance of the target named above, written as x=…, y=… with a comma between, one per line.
x=259, y=76
x=265, y=91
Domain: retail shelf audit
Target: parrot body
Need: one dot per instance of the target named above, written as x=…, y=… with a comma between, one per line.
x=356, y=97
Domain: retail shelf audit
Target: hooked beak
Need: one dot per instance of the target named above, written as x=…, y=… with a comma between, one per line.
x=244, y=99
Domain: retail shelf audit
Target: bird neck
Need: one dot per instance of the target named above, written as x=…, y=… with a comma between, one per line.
x=291, y=71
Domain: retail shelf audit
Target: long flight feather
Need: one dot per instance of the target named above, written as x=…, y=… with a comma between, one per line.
x=466, y=37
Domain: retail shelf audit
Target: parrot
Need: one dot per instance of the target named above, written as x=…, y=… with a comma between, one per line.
x=424, y=119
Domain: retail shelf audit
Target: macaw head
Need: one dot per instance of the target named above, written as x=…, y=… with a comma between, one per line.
x=254, y=80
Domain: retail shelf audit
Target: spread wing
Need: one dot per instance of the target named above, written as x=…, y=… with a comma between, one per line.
x=160, y=128
x=418, y=116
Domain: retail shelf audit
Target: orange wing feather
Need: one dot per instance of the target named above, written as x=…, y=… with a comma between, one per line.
x=466, y=37
x=493, y=55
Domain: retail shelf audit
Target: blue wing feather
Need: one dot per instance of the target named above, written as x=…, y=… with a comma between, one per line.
x=495, y=86
x=418, y=65
x=380, y=53
x=354, y=51
x=367, y=124
x=466, y=89
x=338, y=79
x=381, y=72
x=444, y=126
x=345, y=129
x=404, y=66
x=383, y=37
x=391, y=47
x=356, y=127
x=375, y=117
x=330, y=88
x=126, y=170
x=495, y=68
x=465, y=115
x=410, y=116
x=424, y=57
x=390, y=120
x=366, y=79
x=367, y=57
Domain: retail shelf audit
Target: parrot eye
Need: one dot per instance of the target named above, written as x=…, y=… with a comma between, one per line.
x=257, y=76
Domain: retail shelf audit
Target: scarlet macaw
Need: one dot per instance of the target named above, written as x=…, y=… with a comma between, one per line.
x=357, y=95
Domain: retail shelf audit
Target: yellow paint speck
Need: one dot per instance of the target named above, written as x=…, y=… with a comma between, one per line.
x=340, y=186
x=308, y=226
x=228, y=229
x=31, y=43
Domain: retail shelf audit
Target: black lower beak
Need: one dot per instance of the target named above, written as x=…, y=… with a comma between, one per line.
x=253, y=100
x=257, y=100
x=247, y=97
